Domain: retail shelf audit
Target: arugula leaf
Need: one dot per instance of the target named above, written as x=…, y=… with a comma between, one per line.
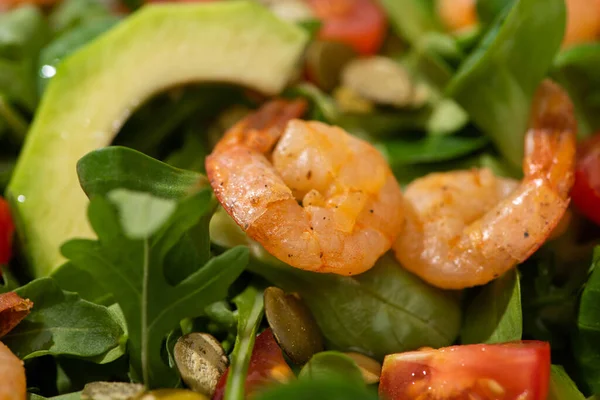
x=332, y=365
x=133, y=269
x=561, y=386
x=250, y=306
x=576, y=69
x=318, y=390
x=587, y=343
x=430, y=149
x=109, y=168
x=61, y=323
x=382, y=311
x=496, y=84
x=70, y=278
x=494, y=315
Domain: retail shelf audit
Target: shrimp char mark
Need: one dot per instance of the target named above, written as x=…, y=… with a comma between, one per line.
x=314, y=196
x=466, y=228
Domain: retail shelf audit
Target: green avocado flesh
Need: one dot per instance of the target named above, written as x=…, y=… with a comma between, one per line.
x=98, y=87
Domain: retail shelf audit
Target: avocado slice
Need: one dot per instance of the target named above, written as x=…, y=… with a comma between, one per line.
x=96, y=89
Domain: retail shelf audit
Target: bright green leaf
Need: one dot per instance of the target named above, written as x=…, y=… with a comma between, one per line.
x=134, y=272
x=561, y=386
x=332, y=365
x=494, y=315
x=318, y=390
x=61, y=323
x=250, y=306
x=141, y=214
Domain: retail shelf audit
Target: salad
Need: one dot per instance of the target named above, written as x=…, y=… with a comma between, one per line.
x=299, y=199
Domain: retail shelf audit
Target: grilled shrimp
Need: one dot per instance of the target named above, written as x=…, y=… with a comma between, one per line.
x=314, y=196
x=12, y=376
x=466, y=228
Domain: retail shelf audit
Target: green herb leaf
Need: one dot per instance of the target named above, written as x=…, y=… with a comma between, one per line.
x=576, y=69
x=72, y=14
x=68, y=396
x=61, y=323
x=430, y=149
x=134, y=270
x=72, y=279
x=411, y=19
x=494, y=315
x=496, y=84
x=250, y=306
x=561, y=386
x=489, y=10
x=332, y=365
x=318, y=390
x=587, y=343
x=103, y=170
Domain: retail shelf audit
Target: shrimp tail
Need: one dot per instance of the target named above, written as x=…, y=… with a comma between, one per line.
x=550, y=143
x=260, y=130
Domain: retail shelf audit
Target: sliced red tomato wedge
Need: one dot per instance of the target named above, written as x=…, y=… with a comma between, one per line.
x=7, y=229
x=586, y=190
x=267, y=367
x=516, y=370
x=358, y=23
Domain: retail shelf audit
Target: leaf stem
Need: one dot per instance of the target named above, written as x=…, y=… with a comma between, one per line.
x=145, y=333
x=250, y=308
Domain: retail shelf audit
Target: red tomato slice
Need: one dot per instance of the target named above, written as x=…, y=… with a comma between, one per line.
x=358, y=23
x=267, y=366
x=517, y=370
x=586, y=190
x=7, y=230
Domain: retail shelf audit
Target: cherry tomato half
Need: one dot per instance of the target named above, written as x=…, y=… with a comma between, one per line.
x=457, y=14
x=586, y=190
x=480, y=371
x=360, y=24
x=583, y=21
x=267, y=366
x=7, y=229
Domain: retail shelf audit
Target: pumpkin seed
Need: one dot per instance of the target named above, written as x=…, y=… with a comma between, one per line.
x=325, y=61
x=379, y=79
x=293, y=325
x=350, y=102
x=112, y=391
x=173, y=394
x=201, y=361
x=369, y=368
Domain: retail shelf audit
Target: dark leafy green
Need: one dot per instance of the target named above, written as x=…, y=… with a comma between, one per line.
x=61, y=323
x=23, y=32
x=430, y=149
x=129, y=260
x=587, y=343
x=70, y=278
x=411, y=19
x=385, y=310
x=332, y=365
x=576, y=69
x=494, y=315
x=496, y=84
x=561, y=386
x=68, y=396
x=250, y=306
x=318, y=390
x=72, y=14
x=119, y=167
x=489, y=10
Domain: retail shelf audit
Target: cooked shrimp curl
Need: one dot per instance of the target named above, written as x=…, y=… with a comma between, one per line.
x=466, y=228
x=314, y=196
